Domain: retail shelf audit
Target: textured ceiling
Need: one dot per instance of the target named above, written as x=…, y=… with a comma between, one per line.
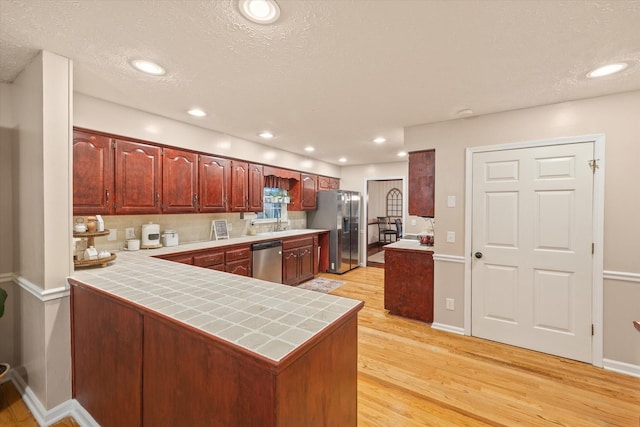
x=332, y=74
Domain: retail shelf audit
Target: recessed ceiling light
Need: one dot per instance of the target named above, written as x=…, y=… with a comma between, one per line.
x=466, y=112
x=196, y=112
x=342, y=159
x=266, y=135
x=309, y=149
x=607, y=70
x=260, y=11
x=379, y=140
x=148, y=67
x=401, y=153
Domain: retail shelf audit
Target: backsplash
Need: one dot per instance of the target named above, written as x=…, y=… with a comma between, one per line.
x=190, y=227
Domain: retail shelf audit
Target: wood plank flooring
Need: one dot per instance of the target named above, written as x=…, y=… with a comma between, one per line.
x=412, y=375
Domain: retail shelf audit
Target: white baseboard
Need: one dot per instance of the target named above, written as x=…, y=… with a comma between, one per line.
x=447, y=328
x=44, y=417
x=621, y=367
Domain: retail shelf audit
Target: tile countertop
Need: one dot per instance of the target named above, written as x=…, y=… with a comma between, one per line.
x=269, y=319
x=410, y=244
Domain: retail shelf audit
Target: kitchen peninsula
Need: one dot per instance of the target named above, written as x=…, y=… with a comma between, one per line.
x=162, y=343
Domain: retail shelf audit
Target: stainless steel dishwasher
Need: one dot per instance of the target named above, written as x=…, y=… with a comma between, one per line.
x=267, y=261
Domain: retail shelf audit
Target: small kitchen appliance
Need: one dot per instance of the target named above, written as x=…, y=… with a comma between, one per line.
x=170, y=238
x=150, y=236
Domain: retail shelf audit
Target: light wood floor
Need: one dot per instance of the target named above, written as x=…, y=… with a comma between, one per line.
x=412, y=375
x=14, y=413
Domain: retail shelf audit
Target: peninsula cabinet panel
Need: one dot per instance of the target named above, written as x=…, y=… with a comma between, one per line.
x=422, y=172
x=239, y=186
x=179, y=181
x=138, y=178
x=92, y=174
x=215, y=179
x=107, y=358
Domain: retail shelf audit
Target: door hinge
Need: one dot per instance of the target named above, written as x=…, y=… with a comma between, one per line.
x=113, y=144
x=593, y=164
x=592, y=330
x=593, y=248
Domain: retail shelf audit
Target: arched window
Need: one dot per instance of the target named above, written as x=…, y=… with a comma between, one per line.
x=394, y=203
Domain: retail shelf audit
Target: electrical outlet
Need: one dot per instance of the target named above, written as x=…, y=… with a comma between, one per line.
x=450, y=303
x=413, y=222
x=451, y=236
x=129, y=233
x=113, y=234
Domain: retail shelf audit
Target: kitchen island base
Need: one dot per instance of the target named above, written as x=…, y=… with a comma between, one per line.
x=135, y=367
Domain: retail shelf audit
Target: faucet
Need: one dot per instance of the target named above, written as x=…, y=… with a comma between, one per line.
x=278, y=224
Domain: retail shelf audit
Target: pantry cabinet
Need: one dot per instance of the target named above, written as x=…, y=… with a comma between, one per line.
x=422, y=172
x=298, y=260
x=179, y=181
x=93, y=181
x=215, y=180
x=138, y=178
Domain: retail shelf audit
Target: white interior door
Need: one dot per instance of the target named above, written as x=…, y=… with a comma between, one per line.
x=531, y=274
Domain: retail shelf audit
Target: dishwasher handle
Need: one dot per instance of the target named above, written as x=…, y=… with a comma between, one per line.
x=266, y=245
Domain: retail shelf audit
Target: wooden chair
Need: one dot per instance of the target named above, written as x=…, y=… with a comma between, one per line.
x=385, y=232
x=398, y=228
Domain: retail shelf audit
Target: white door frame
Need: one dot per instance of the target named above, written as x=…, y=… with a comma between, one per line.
x=365, y=208
x=598, y=228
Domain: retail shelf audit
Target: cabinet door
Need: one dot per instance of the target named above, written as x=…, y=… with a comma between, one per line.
x=215, y=180
x=138, y=178
x=92, y=174
x=422, y=168
x=334, y=183
x=241, y=268
x=181, y=258
x=305, y=263
x=324, y=183
x=309, y=187
x=256, y=188
x=179, y=181
x=290, y=266
x=238, y=188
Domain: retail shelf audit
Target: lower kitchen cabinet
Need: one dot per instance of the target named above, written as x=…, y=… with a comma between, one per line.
x=213, y=260
x=298, y=260
x=235, y=260
x=132, y=367
x=408, y=283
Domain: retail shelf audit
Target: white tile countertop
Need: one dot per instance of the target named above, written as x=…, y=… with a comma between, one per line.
x=269, y=319
x=410, y=244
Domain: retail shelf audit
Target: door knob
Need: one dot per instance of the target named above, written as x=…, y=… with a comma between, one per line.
x=478, y=255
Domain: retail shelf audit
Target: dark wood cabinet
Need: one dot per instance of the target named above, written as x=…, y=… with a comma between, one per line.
x=213, y=260
x=408, y=283
x=214, y=183
x=235, y=259
x=181, y=258
x=256, y=188
x=239, y=186
x=298, y=256
x=303, y=193
x=326, y=183
x=422, y=175
x=238, y=261
x=93, y=182
x=138, y=177
x=179, y=181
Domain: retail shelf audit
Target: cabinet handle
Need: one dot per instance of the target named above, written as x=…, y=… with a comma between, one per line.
x=157, y=198
x=106, y=194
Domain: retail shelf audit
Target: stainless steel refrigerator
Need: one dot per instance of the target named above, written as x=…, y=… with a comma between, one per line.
x=339, y=212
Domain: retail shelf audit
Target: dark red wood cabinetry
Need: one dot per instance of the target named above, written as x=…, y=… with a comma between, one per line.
x=215, y=181
x=238, y=261
x=179, y=181
x=408, y=283
x=422, y=175
x=326, y=183
x=138, y=178
x=256, y=188
x=298, y=259
x=235, y=259
x=247, y=187
x=93, y=183
x=303, y=193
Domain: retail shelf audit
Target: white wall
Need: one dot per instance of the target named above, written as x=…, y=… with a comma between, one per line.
x=616, y=116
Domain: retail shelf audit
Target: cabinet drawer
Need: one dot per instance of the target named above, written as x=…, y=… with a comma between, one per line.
x=209, y=259
x=182, y=259
x=237, y=254
x=296, y=243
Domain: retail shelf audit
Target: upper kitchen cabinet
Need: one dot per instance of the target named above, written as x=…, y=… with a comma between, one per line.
x=304, y=193
x=215, y=182
x=138, y=178
x=247, y=187
x=92, y=174
x=326, y=183
x=422, y=171
x=179, y=181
